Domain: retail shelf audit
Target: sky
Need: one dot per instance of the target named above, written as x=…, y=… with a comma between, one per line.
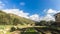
x=32, y=9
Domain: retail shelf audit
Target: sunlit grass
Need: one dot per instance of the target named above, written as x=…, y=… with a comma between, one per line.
x=6, y=28
x=30, y=30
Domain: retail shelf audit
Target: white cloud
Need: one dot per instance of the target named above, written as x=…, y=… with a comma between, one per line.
x=35, y=17
x=51, y=11
x=1, y=5
x=48, y=17
x=22, y=3
x=17, y=12
x=49, y=14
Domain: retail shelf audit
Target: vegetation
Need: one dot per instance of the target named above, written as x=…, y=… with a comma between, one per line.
x=11, y=19
x=30, y=30
x=44, y=23
x=7, y=21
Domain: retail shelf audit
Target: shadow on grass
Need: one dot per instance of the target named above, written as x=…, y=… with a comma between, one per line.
x=29, y=33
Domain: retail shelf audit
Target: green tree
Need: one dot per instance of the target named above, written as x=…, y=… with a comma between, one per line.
x=43, y=23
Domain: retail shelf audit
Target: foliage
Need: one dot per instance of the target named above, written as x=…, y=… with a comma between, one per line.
x=41, y=23
x=44, y=23
x=30, y=30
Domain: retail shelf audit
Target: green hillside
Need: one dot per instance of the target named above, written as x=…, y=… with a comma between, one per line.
x=12, y=19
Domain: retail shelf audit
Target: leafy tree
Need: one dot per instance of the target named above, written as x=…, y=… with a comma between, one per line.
x=50, y=22
x=43, y=23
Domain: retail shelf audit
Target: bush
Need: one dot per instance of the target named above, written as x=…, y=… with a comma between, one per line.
x=12, y=29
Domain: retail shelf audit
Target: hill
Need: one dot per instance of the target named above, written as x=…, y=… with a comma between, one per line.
x=12, y=19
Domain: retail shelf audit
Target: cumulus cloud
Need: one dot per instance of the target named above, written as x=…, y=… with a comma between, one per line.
x=48, y=17
x=49, y=14
x=51, y=11
x=21, y=13
x=17, y=12
x=35, y=17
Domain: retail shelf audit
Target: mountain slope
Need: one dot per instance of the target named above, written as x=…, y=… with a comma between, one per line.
x=12, y=19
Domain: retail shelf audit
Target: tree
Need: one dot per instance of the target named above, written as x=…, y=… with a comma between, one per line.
x=50, y=22
x=43, y=23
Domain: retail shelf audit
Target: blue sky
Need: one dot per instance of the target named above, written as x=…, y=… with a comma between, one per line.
x=31, y=6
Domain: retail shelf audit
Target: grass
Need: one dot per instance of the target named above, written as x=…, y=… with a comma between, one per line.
x=3, y=28
x=30, y=30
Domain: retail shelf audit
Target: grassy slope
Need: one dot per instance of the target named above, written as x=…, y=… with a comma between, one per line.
x=12, y=18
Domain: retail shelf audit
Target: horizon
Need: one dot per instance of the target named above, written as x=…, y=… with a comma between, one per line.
x=32, y=9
